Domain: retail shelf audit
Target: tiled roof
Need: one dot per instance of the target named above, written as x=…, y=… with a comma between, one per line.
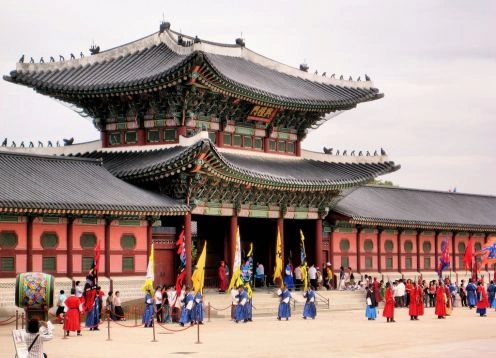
x=45, y=184
x=267, y=170
x=391, y=206
x=146, y=64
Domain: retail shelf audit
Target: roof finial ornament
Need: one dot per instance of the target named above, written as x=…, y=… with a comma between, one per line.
x=61, y=58
x=337, y=152
x=352, y=152
x=21, y=60
x=350, y=79
x=360, y=153
x=333, y=75
x=69, y=141
x=375, y=153
x=50, y=144
x=341, y=77
x=316, y=72
x=180, y=40
x=240, y=41
x=327, y=150
x=4, y=143
x=31, y=60
x=164, y=25
x=367, y=78
x=42, y=60
x=324, y=74
x=383, y=152
x=358, y=79
x=94, y=49
x=368, y=153
x=81, y=54
x=345, y=152
x=197, y=40
x=73, y=57
x=304, y=67
x=52, y=59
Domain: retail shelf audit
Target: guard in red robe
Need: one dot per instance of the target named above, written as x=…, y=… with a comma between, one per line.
x=482, y=301
x=440, y=309
x=73, y=309
x=420, y=299
x=412, y=307
x=222, y=277
x=376, y=286
x=388, y=310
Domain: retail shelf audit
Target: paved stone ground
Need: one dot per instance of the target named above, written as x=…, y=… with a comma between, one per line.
x=339, y=334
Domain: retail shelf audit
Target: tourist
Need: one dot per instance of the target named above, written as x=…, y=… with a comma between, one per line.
x=420, y=298
x=441, y=300
x=34, y=336
x=449, y=301
x=60, y=307
x=351, y=276
x=389, y=303
x=471, y=294
x=197, y=312
x=288, y=276
x=408, y=288
x=312, y=275
x=147, y=319
x=482, y=301
x=320, y=279
x=260, y=275
x=329, y=275
x=284, y=310
x=401, y=291
x=309, y=310
x=370, y=304
x=158, y=303
x=298, y=277
x=463, y=293
x=376, y=287
x=221, y=272
x=119, y=312
x=432, y=293
x=234, y=302
x=171, y=298
x=240, y=313
x=79, y=291
x=99, y=297
x=73, y=309
x=412, y=300
x=188, y=302
x=109, y=305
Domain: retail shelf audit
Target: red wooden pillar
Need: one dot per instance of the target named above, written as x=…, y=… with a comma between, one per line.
x=104, y=138
x=108, y=222
x=398, y=243
x=418, y=249
x=141, y=136
x=358, y=232
x=219, y=139
x=453, y=246
x=70, y=246
x=29, y=243
x=266, y=144
x=181, y=131
x=298, y=149
x=486, y=238
x=331, y=248
x=233, y=228
x=318, y=243
x=280, y=226
x=379, y=249
x=436, y=250
x=188, y=245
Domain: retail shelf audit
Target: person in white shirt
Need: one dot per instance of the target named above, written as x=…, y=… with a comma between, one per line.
x=36, y=333
x=158, y=303
x=401, y=293
x=298, y=277
x=312, y=275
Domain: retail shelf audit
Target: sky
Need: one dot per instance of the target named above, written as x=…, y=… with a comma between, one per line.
x=435, y=62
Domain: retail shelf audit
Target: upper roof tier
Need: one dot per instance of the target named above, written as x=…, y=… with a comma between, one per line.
x=401, y=207
x=167, y=58
x=61, y=185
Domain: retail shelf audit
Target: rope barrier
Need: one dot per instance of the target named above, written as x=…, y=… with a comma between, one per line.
x=5, y=323
x=220, y=309
x=175, y=330
x=8, y=319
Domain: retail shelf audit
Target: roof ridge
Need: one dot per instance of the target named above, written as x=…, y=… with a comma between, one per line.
x=427, y=190
x=52, y=157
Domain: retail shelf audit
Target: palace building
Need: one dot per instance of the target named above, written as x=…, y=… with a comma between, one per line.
x=206, y=137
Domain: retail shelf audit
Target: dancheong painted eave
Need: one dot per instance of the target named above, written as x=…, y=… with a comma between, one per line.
x=157, y=61
x=415, y=208
x=57, y=185
x=315, y=173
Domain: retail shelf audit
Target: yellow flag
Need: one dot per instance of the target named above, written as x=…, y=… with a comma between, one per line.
x=236, y=275
x=150, y=274
x=198, y=277
x=304, y=267
x=278, y=268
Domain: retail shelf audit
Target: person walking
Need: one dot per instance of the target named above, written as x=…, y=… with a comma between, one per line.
x=284, y=310
x=463, y=293
x=412, y=301
x=60, y=307
x=309, y=310
x=188, y=302
x=119, y=312
x=388, y=310
x=147, y=319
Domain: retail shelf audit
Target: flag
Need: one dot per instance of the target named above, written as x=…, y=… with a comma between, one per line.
x=247, y=271
x=236, y=269
x=181, y=248
x=95, y=265
x=179, y=284
x=198, y=277
x=467, y=258
x=487, y=253
x=150, y=275
x=303, y=259
x=444, y=259
x=278, y=268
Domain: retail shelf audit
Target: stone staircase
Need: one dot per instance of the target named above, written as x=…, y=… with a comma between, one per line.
x=265, y=302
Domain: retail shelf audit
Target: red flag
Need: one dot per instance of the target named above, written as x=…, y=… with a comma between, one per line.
x=467, y=258
x=179, y=243
x=179, y=283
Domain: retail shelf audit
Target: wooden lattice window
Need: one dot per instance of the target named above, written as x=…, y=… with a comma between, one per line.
x=368, y=262
x=408, y=246
x=128, y=263
x=170, y=135
x=237, y=140
x=128, y=241
x=248, y=141
x=8, y=239
x=281, y=146
x=344, y=245
x=368, y=245
x=49, y=240
x=408, y=262
x=213, y=137
x=153, y=136
x=291, y=147
x=7, y=264
x=87, y=240
x=427, y=262
x=426, y=246
x=258, y=143
x=272, y=145
x=461, y=247
x=49, y=264
x=345, y=261
x=227, y=139
x=477, y=246
x=388, y=246
x=115, y=138
x=389, y=262
x=87, y=263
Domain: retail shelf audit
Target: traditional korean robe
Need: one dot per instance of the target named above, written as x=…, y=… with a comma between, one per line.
x=388, y=310
x=413, y=306
x=240, y=313
x=147, y=319
x=370, y=304
x=471, y=294
x=440, y=308
x=73, y=308
x=309, y=310
x=420, y=300
x=482, y=302
x=188, y=302
x=288, y=278
x=197, y=313
x=284, y=310
x=91, y=306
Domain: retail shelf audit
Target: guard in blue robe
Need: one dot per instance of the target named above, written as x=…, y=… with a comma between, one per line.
x=198, y=308
x=240, y=314
x=309, y=310
x=147, y=319
x=491, y=291
x=284, y=310
x=471, y=294
x=188, y=303
x=288, y=277
x=92, y=307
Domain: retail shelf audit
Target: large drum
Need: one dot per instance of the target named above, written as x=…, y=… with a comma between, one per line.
x=34, y=289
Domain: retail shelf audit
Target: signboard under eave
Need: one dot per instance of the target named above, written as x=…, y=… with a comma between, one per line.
x=262, y=114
